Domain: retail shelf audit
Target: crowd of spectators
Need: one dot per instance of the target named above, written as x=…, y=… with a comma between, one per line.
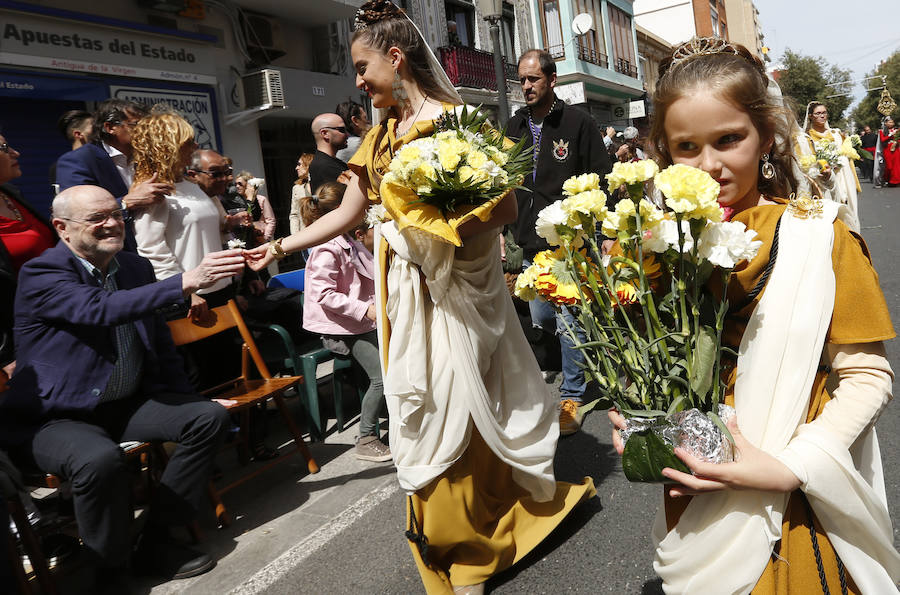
x=146, y=227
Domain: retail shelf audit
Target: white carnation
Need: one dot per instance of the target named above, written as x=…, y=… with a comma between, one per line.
x=727, y=243
x=549, y=217
x=235, y=243
x=664, y=235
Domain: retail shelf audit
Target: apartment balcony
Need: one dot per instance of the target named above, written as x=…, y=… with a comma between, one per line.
x=627, y=68
x=468, y=67
x=557, y=52
x=587, y=54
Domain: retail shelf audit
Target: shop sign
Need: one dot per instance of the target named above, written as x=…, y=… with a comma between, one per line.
x=197, y=107
x=74, y=45
x=572, y=94
x=107, y=69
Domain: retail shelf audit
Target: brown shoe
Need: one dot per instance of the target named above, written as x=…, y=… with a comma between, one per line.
x=569, y=417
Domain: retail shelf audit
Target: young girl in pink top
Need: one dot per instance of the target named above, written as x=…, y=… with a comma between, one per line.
x=339, y=303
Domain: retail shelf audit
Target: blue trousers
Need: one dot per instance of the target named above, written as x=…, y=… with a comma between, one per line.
x=544, y=316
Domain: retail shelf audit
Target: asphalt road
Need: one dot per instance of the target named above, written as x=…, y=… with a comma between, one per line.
x=604, y=545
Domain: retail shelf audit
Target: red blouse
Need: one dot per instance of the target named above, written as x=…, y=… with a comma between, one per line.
x=24, y=239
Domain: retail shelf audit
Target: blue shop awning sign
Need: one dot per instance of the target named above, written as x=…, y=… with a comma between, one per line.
x=48, y=87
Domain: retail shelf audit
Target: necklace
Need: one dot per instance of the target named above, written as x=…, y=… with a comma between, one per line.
x=12, y=207
x=536, y=132
x=414, y=119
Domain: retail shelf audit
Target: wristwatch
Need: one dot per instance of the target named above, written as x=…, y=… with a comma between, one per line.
x=276, y=249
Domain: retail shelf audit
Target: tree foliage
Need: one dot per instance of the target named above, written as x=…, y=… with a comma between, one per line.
x=804, y=79
x=865, y=112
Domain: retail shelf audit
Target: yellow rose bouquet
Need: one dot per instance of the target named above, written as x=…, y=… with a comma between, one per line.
x=651, y=311
x=464, y=164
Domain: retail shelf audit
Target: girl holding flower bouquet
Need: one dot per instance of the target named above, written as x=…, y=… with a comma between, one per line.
x=473, y=432
x=829, y=158
x=804, y=502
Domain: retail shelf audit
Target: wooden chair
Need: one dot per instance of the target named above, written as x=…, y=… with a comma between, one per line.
x=31, y=539
x=245, y=391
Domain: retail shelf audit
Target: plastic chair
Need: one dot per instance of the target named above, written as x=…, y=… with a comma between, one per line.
x=291, y=280
x=279, y=347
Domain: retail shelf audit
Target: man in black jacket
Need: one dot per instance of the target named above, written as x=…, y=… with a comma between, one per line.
x=567, y=143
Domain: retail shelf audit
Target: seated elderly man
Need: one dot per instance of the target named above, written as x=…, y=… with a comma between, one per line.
x=96, y=366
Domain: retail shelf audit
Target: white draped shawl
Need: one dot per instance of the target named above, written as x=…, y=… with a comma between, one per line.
x=723, y=541
x=842, y=189
x=456, y=356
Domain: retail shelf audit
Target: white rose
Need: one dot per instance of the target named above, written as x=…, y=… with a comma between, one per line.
x=727, y=243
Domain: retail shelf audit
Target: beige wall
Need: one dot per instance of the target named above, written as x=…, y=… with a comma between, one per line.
x=743, y=25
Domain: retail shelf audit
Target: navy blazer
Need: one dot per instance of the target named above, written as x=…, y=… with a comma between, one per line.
x=64, y=334
x=90, y=165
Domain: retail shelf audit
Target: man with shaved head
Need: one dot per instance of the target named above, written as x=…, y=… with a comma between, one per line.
x=331, y=136
x=95, y=367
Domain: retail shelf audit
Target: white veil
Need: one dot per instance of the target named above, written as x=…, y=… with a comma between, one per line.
x=437, y=72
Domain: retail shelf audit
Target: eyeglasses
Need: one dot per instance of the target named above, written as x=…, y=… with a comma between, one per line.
x=341, y=129
x=100, y=218
x=215, y=173
x=5, y=148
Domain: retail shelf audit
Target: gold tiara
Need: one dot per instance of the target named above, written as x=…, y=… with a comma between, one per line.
x=702, y=46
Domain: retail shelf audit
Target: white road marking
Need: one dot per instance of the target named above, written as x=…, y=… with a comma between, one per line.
x=280, y=566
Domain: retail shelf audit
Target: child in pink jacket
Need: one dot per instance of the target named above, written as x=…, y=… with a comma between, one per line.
x=339, y=304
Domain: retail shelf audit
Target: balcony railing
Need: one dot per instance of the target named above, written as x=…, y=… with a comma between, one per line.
x=557, y=52
x=626, y=67
x=468, y=67
x=591, y=55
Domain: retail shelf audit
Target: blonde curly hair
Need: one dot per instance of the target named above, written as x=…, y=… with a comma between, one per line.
x=157, y=142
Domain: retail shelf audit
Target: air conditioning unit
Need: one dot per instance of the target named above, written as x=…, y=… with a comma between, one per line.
x=262, y=89
x=263, y=36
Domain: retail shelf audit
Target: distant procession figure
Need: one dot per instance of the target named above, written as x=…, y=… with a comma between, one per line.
x=840, y=183
x=887, y=161
x=473, y=429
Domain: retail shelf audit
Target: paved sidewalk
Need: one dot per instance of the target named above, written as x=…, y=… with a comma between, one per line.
x=285, y=514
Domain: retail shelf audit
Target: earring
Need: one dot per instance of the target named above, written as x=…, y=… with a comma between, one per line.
x=399, y=93
x=767, y=169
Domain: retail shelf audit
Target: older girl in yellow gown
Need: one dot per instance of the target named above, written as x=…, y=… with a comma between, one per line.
x=473, y=429
x=803, y=509
x=839, y=184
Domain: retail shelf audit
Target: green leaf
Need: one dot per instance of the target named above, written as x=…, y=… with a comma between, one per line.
x=646, y=455
x=676, y=405
x=721, y=425
x=704, y=362
x=649, y=413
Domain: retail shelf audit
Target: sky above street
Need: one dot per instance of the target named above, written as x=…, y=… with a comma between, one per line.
x=853, y=35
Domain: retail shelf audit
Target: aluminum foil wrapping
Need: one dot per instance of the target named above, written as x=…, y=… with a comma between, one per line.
x=692, y=430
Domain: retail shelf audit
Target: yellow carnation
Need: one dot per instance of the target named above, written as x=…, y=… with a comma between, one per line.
x=408, y=153
x=590, y=202
x=476, y=159
x=689, y=191
x=466, y=173
x=448, y=156
x=807, y=161
x=631, y=173
x=583, y=183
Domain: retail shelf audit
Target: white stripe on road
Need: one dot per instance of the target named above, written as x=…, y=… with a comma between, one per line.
x=280, y=566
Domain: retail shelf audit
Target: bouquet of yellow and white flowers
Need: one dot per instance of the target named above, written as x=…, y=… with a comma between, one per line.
x=466, y=162
x=828, y=155
x=653, y=324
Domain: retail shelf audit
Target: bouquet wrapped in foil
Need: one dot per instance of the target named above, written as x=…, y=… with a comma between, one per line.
x=650, y=317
